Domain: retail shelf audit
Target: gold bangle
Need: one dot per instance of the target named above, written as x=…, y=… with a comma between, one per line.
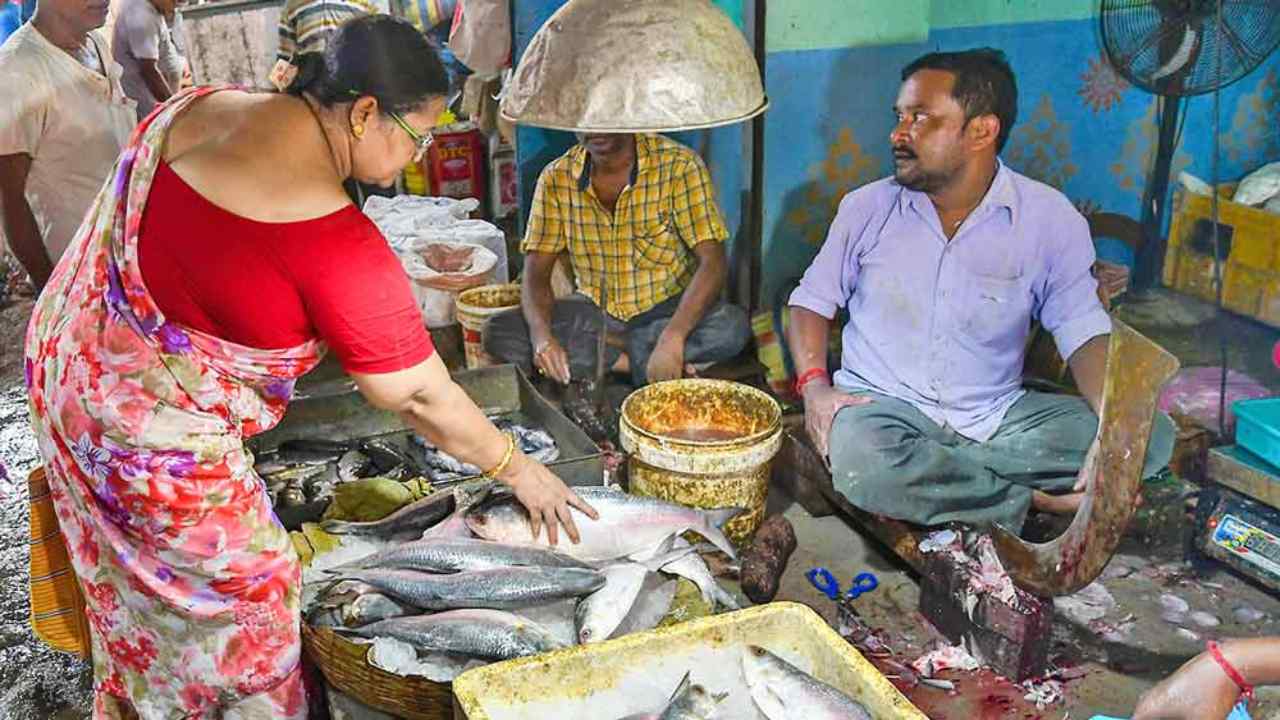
x=506, y=458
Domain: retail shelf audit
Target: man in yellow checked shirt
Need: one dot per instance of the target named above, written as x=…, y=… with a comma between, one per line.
x=638, y=218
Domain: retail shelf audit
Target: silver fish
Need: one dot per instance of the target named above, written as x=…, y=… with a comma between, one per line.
x=692, y=567
x=442, y=555
x=601, y=612
x=691, y=702
x=412, y=518
x=650, y=607
x=353, y=466
x=385, y=456
x=372, y=607
x=488, y=634
x=782, y=691
x=628, y=524
x=502, y=589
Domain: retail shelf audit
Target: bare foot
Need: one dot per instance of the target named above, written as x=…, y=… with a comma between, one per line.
x=1056, y=504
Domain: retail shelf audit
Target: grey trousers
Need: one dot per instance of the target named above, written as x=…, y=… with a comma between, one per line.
x=575, y=323
x=888, y=458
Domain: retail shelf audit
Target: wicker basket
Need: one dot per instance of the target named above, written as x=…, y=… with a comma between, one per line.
x=344, y=667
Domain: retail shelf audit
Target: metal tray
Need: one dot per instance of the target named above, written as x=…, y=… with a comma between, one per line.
x=335, y=410
x=635, y=673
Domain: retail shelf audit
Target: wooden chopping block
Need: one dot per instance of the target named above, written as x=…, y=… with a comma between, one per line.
x=1012, y=638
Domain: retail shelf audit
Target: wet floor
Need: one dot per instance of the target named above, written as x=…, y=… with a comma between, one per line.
x=35, y=682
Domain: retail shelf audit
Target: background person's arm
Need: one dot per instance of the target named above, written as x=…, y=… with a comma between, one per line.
x=536, y=303
x=20, y=227
x=155, y=81
x=667, y=360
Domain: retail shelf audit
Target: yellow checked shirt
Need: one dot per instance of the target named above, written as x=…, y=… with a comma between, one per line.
x=645, y=248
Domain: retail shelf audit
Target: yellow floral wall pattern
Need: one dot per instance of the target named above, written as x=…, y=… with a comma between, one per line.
x=846, y=167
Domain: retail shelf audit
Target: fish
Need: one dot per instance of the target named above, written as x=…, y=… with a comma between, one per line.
x=628, y=524
x=291, y=496
x=299, y=473
x=453, y=527
x=782, y=691
x=440, y=466
x=385, y=456
x=650, y=607
x=691, y=702
x=443, y=555
x=353, y=465
x=601, y=612
x=372, y=607
x=487, y=634
x=501, y=589
x=414, y=517
x=694, y=568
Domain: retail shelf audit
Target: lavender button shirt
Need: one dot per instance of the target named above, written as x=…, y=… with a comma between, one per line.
x=943, y=324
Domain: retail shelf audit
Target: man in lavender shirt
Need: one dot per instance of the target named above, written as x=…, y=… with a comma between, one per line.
x=943, y=268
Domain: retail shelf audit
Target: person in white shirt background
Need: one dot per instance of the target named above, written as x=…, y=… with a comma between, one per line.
x=63, y=121
x=142, y=42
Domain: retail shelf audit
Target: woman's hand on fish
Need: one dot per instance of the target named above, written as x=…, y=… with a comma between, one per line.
x=821, y=403
x=547, y=499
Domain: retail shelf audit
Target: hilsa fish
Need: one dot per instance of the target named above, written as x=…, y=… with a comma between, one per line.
x=487, y=634
x=502, y=589
x=782, y=691
x=415, y=517
x=628, y=524
x=450, y=555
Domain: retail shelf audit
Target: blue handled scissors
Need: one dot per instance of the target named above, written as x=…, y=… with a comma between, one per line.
x=826, y=583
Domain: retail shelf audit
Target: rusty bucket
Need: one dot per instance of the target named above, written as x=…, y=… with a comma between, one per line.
x=705, y=444
x=474, y=308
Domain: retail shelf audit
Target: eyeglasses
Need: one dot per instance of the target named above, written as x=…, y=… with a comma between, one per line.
x=420, y=142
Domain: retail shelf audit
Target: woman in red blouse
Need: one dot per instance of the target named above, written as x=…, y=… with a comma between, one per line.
x=210, y=275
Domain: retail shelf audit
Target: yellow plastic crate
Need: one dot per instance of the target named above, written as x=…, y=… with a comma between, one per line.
x=1250, y=241
x=636, y=673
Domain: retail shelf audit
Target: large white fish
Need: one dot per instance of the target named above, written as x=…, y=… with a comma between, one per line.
x=601, y=612
x=691, y=566
x=628, y=524
x=782, y=691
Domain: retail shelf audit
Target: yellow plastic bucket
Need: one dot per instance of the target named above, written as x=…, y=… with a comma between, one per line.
x=705, y=444
x=474, y=308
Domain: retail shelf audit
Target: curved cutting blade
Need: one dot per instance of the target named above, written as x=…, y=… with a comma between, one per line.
x=1137, y=369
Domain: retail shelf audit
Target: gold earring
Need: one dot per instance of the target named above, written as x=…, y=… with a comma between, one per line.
x=358, y=131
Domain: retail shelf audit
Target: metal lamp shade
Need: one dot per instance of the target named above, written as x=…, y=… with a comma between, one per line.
x=635, y=66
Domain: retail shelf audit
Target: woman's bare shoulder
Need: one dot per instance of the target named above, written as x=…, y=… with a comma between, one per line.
x=255, y=154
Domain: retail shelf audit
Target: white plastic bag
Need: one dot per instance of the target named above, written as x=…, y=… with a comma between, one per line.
x=1259, y=186
x=405, y=214
x=474, y=232
x=440, y=270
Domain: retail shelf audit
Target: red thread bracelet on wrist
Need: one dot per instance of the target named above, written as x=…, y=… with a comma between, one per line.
x=1246, y=690
x=807, y=377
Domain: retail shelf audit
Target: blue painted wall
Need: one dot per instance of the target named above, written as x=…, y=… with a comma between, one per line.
x=725, y=150
x=1079, y=127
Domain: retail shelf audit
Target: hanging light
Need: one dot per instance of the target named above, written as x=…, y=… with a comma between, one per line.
x=635, y=66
